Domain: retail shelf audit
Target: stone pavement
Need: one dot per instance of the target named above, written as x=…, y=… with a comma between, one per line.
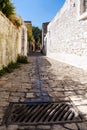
x=57, y=81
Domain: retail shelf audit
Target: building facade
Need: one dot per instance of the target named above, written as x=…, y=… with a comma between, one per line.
x=66, y=38
x=23, y=42
x=31, y=42
x=44, y=32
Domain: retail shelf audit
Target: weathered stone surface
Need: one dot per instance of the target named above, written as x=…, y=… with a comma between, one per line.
x=26, y=128
x=3, y=128
x=30, y=95
x=57, y=89
x=14, y=99
x=43, y=127
x=17, y=94
x=65, y=127
x=82, y=126
x=12, y=127
x=11, y=41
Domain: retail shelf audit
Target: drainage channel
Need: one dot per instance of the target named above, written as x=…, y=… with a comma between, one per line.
x=38, y=113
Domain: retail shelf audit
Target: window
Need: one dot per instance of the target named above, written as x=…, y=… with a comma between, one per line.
x=85, y=5
x=82, y=9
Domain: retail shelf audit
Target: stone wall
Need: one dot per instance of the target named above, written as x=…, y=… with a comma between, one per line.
x=10, y=41
x=67, y=36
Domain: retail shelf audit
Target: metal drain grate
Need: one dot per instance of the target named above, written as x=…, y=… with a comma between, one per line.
x=41, y=113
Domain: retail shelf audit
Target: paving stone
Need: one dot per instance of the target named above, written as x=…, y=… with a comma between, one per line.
x=22, y=99
x=60, y=99
x=17, y=94
x=82, y=86
x=12, y=127
x=83, y=109
x=16, y=85
x=7, y=84
x=77, y=103
x=26, y=128
x=60, y=81
x=14, y=99
x=4, y=95
x=56, y=94
x=75, y=97
x=69, y=93
x=30, y=95
x=22, y=90
x=26, y=85
x=3, y=104
x=72, y=125
x=80, y=92
x=58, y=88
x=43, y=127
x=82, y=126
x=3, y=128
x=15, y=88
x=65, y=127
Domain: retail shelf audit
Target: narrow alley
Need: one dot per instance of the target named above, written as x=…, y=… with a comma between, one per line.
x=44, y=80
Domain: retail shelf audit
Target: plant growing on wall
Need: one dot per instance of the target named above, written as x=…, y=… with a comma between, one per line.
x=16, y=20
x=7, y=8
x=3, y=3
x=30, y=37
x=29, y=33
x=11, y=66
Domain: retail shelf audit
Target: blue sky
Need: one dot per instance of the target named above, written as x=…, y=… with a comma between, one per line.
x=37, y=11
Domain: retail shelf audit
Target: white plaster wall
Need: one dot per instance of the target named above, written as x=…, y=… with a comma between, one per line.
x=67, y=36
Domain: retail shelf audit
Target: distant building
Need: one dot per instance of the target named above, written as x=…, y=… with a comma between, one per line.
x=44, y=32
x=22, y=47
x=28, y=22
x=31, y=44
x=29, y=26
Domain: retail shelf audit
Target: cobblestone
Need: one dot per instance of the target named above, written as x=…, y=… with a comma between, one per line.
x=30, y=95
x=3, y=128
x=65, y=127
x=12, y=127
x=45, y=79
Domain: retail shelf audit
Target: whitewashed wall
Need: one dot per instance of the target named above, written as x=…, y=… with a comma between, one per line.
x=67, y=36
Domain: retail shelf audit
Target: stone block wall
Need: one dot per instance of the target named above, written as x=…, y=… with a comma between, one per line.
x=67, y=36
x=10, y=41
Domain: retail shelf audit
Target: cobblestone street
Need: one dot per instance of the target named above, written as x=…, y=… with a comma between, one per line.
x=45, y=79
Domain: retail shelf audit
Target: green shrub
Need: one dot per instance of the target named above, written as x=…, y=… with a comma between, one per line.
x=22, y=59
x=2, y=72
x=17, y=23
x=8, y=69
x=7, y=8
x=11, y=66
